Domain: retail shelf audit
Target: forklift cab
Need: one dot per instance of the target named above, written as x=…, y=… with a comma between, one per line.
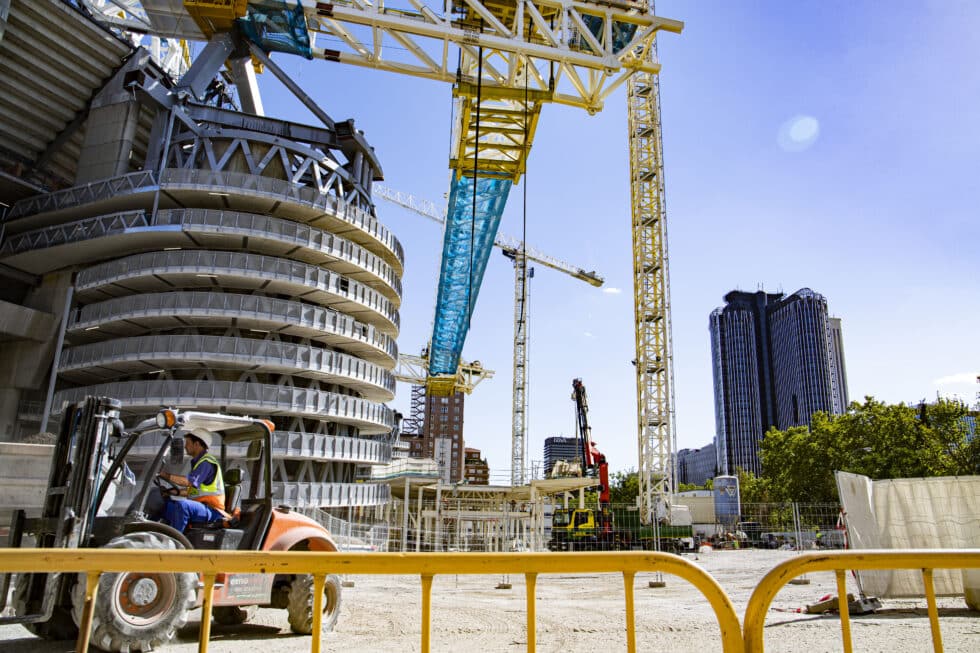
x=251, y=442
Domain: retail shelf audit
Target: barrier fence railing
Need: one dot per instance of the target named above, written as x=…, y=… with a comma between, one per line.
x=840, y=563
x=93, y=562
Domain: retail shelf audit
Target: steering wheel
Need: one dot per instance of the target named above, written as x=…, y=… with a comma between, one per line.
x=166, y=486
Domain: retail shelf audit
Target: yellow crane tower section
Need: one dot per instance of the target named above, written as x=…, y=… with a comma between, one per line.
x=651, y=299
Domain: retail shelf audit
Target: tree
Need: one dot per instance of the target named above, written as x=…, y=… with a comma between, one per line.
x=624, y=487
x=752, y=488
x=875, y=439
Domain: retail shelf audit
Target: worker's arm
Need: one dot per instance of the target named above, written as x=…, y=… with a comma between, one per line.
x=203, y=473
x=176, y=479
x=182, y=481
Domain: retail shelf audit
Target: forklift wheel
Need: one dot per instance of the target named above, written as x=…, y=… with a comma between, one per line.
x=300, y=606
x=138, y=610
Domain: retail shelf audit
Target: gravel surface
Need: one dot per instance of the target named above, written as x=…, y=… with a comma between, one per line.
x=577, y=613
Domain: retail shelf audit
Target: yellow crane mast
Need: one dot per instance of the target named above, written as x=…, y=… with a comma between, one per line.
x=651, y=298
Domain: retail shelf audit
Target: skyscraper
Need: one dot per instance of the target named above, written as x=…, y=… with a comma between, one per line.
x=742, y=378
x=560, y=448
x=839, y=375
x=775, y=361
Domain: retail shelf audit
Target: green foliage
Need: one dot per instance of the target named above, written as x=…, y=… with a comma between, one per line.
x=624, y=487
x=875, y=439
x=752, y=488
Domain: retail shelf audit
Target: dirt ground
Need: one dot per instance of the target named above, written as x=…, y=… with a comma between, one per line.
x=580, y=613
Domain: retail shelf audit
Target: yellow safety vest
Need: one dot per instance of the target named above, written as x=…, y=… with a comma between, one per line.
x=213, y=493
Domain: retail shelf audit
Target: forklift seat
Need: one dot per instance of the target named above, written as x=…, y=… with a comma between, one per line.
x=233, y=498
x=233, y=489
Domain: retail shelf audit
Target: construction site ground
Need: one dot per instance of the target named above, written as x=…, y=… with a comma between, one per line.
x=578, y=613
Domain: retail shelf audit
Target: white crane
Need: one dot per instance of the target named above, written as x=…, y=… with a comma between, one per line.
x=520, y=254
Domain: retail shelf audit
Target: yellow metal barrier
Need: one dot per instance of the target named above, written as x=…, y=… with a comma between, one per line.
x=93, y=562
x=841, y=562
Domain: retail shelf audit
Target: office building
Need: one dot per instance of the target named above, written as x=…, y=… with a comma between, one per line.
x=839, y=374
x=696, y=466
x=775, y=361
x=560, y=448
x=804, y=359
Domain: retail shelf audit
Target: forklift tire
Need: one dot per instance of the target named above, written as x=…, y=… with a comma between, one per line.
x=137, y=611
x=233, y=615
x=300, y=606
x=59, y=626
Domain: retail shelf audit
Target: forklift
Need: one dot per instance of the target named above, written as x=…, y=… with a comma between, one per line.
x=142, y=611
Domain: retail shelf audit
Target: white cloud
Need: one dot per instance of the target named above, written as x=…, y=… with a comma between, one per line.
x=957, y=379
x=587, y=334
x=612, y=291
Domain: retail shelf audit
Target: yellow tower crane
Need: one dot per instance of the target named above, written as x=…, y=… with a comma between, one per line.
x=513, y=56
x=518, y=252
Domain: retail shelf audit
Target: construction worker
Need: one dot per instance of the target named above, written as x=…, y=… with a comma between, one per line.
x=203, y=486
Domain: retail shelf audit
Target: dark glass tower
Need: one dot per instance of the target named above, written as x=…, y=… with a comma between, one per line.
x=560, y=448
x=775, y=361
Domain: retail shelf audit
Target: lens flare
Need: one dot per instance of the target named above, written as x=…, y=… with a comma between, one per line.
x=798, y=133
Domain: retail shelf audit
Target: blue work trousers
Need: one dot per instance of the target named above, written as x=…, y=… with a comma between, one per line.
x=179, y=512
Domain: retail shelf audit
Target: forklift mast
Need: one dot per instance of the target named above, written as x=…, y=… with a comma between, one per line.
x=76, y=486
x=76, y=479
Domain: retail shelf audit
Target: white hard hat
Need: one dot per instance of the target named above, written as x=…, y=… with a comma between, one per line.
x=202, y=434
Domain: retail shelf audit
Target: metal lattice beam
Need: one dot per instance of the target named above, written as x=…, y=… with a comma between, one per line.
x=522, y=292
x=651, y=284
x=413, y=369
x=591, y=46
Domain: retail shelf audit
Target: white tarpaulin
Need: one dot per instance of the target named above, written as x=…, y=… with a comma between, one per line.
x=911, y=513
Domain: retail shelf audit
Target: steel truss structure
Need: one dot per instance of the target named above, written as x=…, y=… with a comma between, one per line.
x=651, y=285
x=522, y=296
x=414, y=370
x=513, y=56
x=171, y=54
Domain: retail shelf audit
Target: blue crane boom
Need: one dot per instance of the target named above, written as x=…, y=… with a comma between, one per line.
x=471, y=227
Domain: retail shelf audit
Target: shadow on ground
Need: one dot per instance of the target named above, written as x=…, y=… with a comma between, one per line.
x=187, y=637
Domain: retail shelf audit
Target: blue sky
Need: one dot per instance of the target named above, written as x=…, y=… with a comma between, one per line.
x=832, y=145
